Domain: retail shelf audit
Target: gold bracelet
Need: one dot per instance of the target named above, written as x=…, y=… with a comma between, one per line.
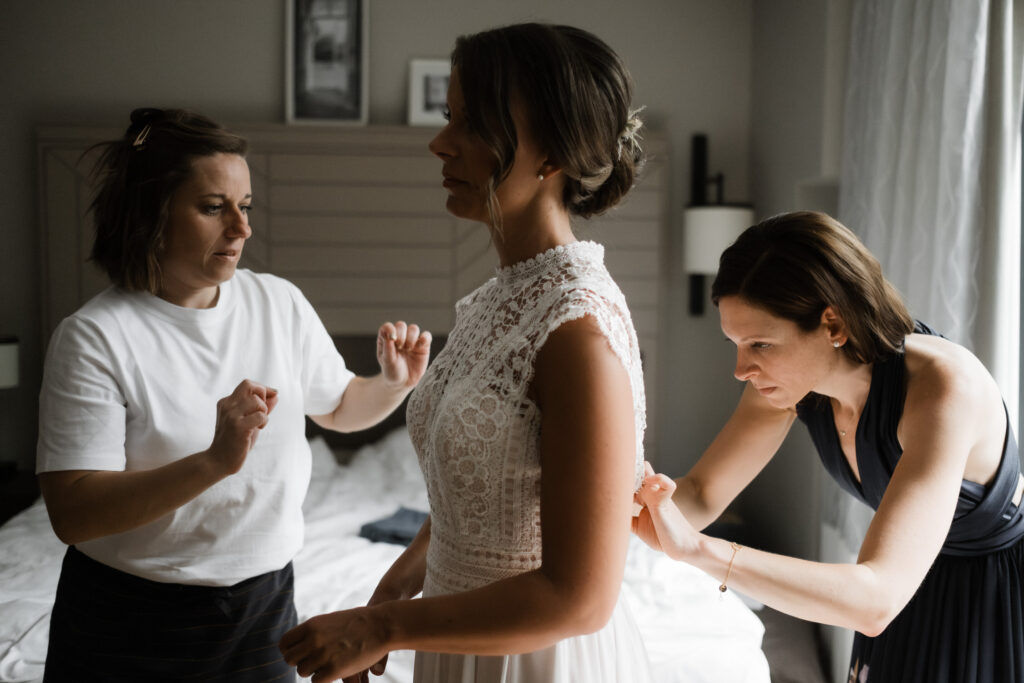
x=735, y=549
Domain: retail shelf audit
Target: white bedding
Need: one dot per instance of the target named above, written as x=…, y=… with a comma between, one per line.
x=693, y=633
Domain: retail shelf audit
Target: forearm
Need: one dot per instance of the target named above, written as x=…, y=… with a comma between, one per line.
x=852, y=596
x=689, y=498
x=520, y=614
x=87, y=505
x=366, y=401
x=404, y=579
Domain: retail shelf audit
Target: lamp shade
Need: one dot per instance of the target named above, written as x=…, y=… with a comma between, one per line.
x=8, y=362
x=707, y=231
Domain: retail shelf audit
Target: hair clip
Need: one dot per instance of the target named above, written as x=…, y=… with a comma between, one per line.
x=631, y=133
x=140, y=139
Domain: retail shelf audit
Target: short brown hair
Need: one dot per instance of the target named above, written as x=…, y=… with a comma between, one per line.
x=137, y=177
x=576, y=93
x=795, y=265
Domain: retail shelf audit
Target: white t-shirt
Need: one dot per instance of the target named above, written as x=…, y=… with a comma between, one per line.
x=131, y=382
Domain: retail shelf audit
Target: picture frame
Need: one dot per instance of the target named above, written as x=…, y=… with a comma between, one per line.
x=327, y=61
x=428, y=91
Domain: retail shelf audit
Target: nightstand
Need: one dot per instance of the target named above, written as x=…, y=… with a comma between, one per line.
x=18, y=490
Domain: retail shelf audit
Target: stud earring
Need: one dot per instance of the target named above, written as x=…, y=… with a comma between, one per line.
x=540, y=176
x=836, y=344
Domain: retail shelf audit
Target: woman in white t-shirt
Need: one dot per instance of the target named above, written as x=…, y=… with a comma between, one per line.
x=172, y=455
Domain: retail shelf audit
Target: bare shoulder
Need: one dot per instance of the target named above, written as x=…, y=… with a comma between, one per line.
x=939, y=369
x=952, y=397
x=575, y=340
x=576, y=353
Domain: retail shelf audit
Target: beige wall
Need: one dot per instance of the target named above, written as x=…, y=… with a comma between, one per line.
x=696, y=65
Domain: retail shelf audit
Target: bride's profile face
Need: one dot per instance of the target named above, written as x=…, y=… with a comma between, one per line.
x=469, y=163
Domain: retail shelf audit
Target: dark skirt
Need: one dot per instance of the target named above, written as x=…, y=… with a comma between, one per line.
x=111, y=626
x=965, y=624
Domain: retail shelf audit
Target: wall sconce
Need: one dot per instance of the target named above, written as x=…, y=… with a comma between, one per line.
x=708, y=229
x=8, y=362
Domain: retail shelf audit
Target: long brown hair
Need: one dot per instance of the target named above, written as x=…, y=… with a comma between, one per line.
x=137, y=177
x=794, y=265
x=576, y=93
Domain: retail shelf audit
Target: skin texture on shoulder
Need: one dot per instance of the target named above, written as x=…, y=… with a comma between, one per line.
x=938, y=370
x=588, y=439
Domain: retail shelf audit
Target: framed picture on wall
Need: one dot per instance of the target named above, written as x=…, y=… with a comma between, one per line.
x=326, y=61
x=428, y=91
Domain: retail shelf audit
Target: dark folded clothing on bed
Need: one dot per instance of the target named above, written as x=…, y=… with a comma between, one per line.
x=399, y=528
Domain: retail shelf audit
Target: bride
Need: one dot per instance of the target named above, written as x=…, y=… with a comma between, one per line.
x=529, y=425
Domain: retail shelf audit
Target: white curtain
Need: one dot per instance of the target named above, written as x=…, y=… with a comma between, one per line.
x=930, y=174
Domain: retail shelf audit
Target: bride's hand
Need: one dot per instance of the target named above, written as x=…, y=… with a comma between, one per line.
x=335, y=645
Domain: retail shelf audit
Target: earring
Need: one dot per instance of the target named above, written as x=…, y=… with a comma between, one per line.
x=836, y=344
x=540, y=176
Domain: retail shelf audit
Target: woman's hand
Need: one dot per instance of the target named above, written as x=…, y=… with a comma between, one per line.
x=336, y=645
x=660, y=524
x=89, y=504
x=403, y=353
x=643, y=521
x=403, y=581
x=240, y=417
x=383, y=593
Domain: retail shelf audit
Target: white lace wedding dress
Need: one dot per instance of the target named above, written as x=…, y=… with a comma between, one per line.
x=476, y=433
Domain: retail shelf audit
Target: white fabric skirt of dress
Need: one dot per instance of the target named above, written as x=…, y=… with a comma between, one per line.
x=615, y=654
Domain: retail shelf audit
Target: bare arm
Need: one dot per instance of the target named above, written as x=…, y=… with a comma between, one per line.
x=588, y=451
x=403, y=352
x=743, y=447
x=86, y=504
x=902, y=541
x=405, y=577
x=404, y=580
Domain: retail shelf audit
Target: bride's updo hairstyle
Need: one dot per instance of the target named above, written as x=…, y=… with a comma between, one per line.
x=794, y=265
x=576, y=94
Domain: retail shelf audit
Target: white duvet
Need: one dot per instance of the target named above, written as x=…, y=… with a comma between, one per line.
x=693, y=633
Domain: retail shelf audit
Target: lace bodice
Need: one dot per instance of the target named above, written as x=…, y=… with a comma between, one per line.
x=475, y=429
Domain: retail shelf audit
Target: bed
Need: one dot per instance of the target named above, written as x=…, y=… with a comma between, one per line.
x=693, y=633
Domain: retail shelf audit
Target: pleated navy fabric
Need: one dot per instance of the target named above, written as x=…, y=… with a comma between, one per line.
x=965, y=623
x=111, y=626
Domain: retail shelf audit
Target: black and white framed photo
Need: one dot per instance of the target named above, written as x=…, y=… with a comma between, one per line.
x=326, y=58
x=428, y=91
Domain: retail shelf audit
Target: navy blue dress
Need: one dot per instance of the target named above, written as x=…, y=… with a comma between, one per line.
x=965, y=623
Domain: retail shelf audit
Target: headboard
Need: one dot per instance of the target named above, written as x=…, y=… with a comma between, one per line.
x=355, y=217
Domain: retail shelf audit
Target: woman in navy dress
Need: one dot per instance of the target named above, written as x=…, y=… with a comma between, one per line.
x=905, y=420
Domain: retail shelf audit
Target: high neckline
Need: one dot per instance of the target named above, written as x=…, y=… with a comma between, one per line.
x=540, y=262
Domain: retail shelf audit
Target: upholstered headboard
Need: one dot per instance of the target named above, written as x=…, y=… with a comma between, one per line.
x=355, y=217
